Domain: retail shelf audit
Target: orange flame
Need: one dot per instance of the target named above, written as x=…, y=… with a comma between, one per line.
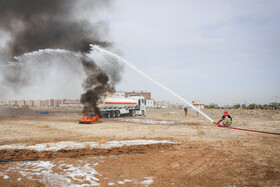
x=89, y=120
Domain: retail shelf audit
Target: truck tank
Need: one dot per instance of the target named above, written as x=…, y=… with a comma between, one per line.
x=118, y=103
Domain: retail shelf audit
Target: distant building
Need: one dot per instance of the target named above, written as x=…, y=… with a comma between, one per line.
x=146, y=95
x=11, y=102
x=198, y=104
x=3, y=103
x=38, y=103
x=162, y=104
x=177, y=105
x=150, y=103
x=119, y=94
x=71, y=103
x=22, y=102
x=56, y=103
x=49, y=103
x=52, y=103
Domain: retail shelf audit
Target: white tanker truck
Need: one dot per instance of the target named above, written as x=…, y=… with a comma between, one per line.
x=112, y=107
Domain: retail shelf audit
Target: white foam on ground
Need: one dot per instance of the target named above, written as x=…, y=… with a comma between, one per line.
x=132, y=142
x=4, y=176
x=148, y=181
x=79, y=145
x=66, y=174
x=148, y=121
x=79, y=174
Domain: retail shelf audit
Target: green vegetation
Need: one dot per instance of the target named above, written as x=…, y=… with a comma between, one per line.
x=253, y=106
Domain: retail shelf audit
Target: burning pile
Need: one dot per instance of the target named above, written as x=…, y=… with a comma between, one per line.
x=89, y=119
x=52, y=24
x=96, y=85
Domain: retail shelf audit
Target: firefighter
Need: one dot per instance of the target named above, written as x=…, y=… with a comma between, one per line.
x=226, y=119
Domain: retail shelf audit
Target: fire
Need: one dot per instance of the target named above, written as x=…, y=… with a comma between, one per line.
x=89, y=120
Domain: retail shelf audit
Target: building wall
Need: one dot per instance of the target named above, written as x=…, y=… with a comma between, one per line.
x=198, y=104
x=37, y=103
x=150, y=103
x=43, y=103
x=146, y=95
x=119, y=94
x=52, y=103
x=2, y=103
x=72, y=105
x=162, y=104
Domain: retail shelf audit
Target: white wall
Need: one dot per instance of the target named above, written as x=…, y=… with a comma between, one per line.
x=150, y=103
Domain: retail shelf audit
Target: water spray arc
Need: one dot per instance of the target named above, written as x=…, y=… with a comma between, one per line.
x=94, y=47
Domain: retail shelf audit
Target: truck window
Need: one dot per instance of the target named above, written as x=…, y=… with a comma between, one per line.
x=144, y=101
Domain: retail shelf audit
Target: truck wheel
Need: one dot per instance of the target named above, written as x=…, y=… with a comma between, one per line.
x=108, y=115
x=133, y=113
x=118, y=114
x=143, y=113
x=113, y=114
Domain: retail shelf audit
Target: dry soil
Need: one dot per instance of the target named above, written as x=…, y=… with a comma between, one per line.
x=204, y=155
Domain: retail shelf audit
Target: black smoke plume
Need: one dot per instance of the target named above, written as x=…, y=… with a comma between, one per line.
x=57, y=24
x=96, y=85
x=40, y=24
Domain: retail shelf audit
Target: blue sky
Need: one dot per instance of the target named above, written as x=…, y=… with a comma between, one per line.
x=223, y=52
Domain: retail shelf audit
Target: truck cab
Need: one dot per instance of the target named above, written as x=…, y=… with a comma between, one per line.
x=141, y=105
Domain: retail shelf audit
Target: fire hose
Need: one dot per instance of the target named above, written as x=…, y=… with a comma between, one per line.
x=275, y=133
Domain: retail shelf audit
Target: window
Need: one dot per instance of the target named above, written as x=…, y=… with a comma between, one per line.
x=144, y=101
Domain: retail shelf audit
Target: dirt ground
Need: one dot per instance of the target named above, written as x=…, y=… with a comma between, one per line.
x=202, y=154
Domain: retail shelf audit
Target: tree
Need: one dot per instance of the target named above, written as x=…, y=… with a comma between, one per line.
x=260, y=107
x=252, y=106
x=265, y=106
x=211, y=106
x=274, y=106
x=243, y=106
x=237, y=106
